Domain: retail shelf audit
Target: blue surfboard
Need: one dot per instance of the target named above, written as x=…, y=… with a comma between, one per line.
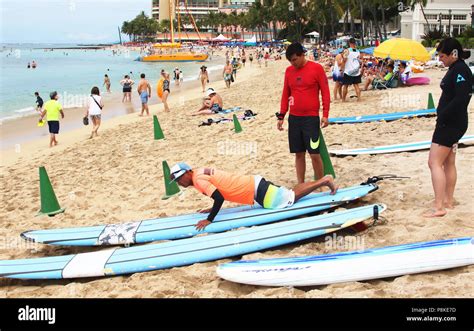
x=120, y=261
x=183, y=226
x=382, y=117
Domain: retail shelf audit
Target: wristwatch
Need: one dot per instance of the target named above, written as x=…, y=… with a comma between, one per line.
x=280, y=116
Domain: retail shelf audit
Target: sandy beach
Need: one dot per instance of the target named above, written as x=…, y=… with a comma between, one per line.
x=117, y=178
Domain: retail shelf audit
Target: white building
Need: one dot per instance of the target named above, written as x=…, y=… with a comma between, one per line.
x=454, y=15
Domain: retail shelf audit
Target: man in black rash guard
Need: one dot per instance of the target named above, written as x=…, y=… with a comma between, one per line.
x=451, y=124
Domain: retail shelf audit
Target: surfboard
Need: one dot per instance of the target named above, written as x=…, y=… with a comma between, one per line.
x=391, y=261
x=120, y=261
x=382, y=117
x=408, y=147
x=182, y=226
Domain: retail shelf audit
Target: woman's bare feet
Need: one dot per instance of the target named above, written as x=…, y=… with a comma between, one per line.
x=446, y=204
x=435, y=213
x=450, y=204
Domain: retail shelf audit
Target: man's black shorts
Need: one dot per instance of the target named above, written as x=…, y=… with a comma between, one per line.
x=53, y=127
x=303, y=134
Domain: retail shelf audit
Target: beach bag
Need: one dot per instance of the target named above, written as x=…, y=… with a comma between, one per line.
x=85, y=120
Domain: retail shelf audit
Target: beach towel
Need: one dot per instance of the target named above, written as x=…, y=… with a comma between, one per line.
x=248, y=115
x=231, y=110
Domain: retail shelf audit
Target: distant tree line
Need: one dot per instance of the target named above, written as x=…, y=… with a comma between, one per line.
x=290, y=19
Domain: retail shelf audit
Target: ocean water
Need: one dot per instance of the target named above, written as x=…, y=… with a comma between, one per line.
x=72, y=73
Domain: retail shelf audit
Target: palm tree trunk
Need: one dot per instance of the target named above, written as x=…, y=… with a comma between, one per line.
x=424, y=15
x=384, y=25
x=332, y=23
x=362, y=21
x=346, y=17
x=378, y=34
x=349, y=11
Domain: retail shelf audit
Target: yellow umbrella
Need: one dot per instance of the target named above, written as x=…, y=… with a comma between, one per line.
x=402, y=49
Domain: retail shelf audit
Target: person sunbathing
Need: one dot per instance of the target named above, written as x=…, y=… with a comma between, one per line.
x=212, y=104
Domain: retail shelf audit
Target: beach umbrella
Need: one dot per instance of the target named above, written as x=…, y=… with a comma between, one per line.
x=402, y=49
x=337, y=51
x=368, y=50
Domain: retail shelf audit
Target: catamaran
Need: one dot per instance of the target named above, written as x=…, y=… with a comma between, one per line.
x=174, y=51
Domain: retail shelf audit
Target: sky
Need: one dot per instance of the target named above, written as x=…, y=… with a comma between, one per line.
x=67, y=21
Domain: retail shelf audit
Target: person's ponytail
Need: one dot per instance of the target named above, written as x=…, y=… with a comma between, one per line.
x=466, y=55
x=450, y=46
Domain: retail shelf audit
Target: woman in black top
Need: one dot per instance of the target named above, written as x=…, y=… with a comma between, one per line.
x=451, y=124
x=127, y=83
x=166, y=90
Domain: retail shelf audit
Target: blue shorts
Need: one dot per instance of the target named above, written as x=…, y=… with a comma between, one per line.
x=144, y=97
x=216, y=108
x=337, y=78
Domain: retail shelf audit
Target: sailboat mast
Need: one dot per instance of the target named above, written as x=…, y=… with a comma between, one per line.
x=179, y=21
x=171, y=3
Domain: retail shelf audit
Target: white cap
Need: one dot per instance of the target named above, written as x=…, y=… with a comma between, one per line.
x=178, y=170
x=210, y=91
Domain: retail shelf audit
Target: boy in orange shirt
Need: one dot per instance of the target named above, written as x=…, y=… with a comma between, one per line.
x=220, y=186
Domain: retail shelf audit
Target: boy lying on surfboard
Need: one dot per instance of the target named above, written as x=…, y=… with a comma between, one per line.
x=220, y=186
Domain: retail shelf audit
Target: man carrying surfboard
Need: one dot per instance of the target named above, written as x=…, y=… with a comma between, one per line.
x=245, y=189
x=304, y=80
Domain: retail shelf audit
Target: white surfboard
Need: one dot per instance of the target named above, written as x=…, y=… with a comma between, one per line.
x=351, y=266
x=408, y=147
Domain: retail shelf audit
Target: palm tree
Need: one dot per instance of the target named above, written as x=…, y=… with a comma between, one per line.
x=212, y=21
x=422, y=4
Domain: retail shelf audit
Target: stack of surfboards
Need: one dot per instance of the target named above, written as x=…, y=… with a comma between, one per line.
x=188, y=249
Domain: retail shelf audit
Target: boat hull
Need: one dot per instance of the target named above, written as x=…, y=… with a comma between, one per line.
x=174, y=58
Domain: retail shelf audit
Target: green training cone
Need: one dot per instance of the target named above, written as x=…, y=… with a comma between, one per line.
x=157, y=129
x=49, y=202
x=237, y=127
x=171, y=188
x=323, y=152
x=431, y=104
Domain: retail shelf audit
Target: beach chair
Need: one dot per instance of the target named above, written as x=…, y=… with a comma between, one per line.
x=383, y=85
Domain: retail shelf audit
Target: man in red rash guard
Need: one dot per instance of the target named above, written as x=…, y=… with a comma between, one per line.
x=303, y=82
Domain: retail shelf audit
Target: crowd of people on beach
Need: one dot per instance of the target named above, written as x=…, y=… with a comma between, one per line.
x=302, y=78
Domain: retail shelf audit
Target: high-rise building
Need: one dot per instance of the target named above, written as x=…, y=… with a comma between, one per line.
x=197, y=8
x=452, y=17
